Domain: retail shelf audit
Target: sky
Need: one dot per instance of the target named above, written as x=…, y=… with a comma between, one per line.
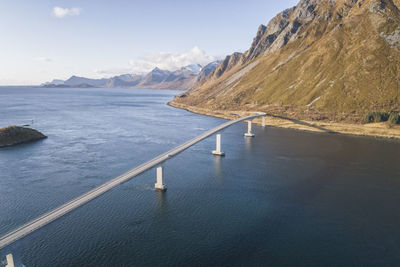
x=43, y=40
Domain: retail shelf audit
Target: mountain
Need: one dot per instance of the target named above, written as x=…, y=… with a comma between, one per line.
x=125, y=80
x=154, y=77
x=195, y=68
x=207, y=70
x=76, y=81
x=322, y=59
x=181, y=79
x=56, y=82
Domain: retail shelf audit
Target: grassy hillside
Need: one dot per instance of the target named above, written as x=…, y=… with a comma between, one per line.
x=338, y=66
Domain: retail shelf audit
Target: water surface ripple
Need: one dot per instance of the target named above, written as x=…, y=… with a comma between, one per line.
x=286, y=198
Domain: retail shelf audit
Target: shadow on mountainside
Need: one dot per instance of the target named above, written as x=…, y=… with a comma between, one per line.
x=303, y=123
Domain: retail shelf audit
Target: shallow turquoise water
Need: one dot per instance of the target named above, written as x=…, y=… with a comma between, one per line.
x=283, y=198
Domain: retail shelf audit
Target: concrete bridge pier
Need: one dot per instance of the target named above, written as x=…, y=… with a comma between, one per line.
x=9, y=260
x=249, y=133
x=263, y=121
x=217, y=151
x=159, y=185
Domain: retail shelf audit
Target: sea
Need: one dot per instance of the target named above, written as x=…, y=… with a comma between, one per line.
x=283, y=198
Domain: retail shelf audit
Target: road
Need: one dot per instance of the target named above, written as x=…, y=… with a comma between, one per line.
x=53, y=215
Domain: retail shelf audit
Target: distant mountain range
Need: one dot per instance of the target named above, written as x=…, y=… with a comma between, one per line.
x=181, y=79
x=332, y=60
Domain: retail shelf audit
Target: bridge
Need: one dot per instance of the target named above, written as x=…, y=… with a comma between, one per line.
x=56, y=213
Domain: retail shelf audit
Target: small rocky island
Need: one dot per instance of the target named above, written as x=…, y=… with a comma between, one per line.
x=14, y=135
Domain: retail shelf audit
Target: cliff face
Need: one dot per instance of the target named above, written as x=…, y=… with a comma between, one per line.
x=274, y=36
x=227, y=64
x=322, y=56
x=15, y=135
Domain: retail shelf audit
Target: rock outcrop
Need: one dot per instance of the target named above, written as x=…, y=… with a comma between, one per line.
x=227, y=64
x=14, y=135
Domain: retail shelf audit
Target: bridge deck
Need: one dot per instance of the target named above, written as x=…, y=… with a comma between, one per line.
x=56, y=213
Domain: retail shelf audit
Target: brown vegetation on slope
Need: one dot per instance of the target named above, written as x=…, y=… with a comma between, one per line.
x=322, y=60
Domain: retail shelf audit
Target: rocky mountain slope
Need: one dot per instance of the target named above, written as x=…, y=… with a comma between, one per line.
x=181, y=79
x=322, y=59
x=125, y=80
x=207, y=70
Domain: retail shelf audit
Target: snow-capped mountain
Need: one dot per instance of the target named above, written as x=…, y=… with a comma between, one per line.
x=181, y=79
x=195, y=68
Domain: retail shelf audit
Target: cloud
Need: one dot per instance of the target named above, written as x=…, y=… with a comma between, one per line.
x=163, y=60
x=170, y=61
x=60, y=12
x=43, y=59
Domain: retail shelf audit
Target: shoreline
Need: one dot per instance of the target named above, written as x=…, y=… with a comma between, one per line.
x=377, y=130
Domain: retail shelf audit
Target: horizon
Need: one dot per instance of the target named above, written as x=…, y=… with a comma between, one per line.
x=58, y=39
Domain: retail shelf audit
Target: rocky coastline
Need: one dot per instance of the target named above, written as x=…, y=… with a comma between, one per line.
x=377, y=130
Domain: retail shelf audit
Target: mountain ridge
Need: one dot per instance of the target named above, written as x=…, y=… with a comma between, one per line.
x=181, y=79
x=322, y=59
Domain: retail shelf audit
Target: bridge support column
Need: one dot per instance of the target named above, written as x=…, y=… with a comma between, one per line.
x=159, y=185
x=9, y=260
x=263, y=121
x=217, y=150
x=249, y=133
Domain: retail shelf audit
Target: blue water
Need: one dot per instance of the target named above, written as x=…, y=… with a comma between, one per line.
x=284, y=198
